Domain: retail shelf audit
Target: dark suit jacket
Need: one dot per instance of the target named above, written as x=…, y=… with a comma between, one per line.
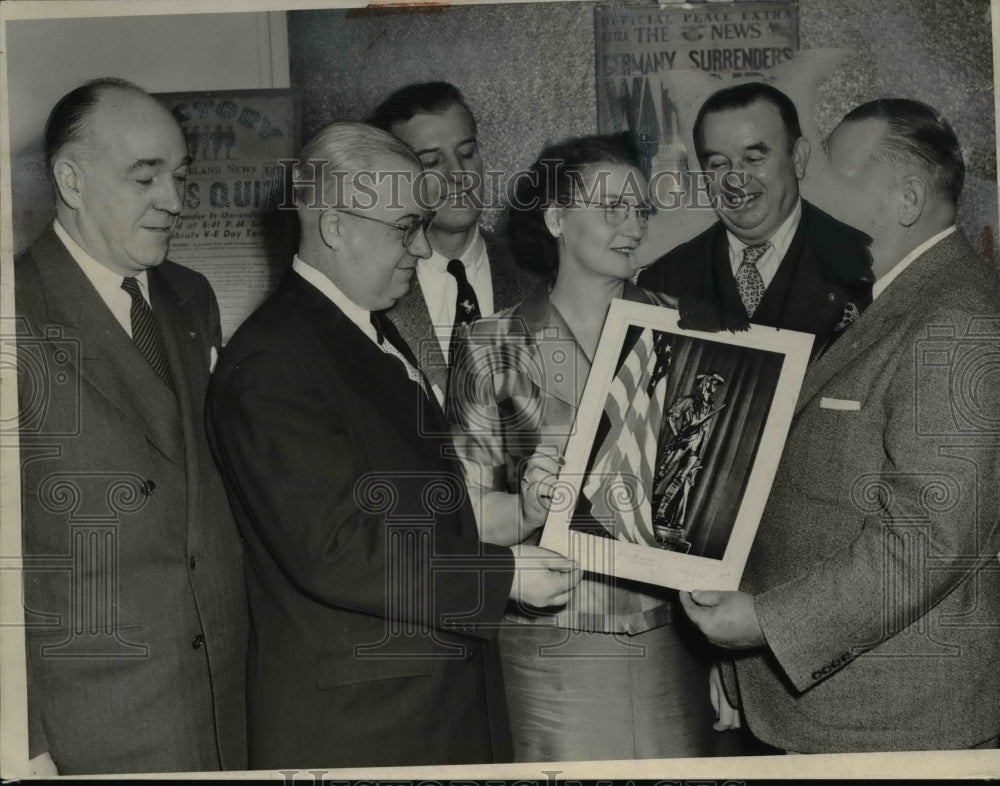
x=368, y=585
x=122, y=507
x=511, y=285
x=827, y=266
x=874, y=569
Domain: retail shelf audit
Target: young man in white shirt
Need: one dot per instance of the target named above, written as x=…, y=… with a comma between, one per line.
x=470, y=272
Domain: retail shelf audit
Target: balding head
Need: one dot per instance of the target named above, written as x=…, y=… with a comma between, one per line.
x=357, y=191
x=915, y=135
x=339, y=153
x=902, y=168
x=68, y=121
x=118, y=160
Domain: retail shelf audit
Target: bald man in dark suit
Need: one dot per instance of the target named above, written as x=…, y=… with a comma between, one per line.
x=133, y=585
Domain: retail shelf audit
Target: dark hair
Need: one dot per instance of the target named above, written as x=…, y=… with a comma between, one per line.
x=68, y=118
x=420, y=97
x=917, y=134
x=551, y=180
x=742, y=96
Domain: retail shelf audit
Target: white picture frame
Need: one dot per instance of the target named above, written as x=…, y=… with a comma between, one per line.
x=703, y=451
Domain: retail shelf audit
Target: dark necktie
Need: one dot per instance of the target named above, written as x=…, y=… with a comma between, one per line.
x=748, y=279
x=145, y=333
x=387, y=345
x=466, y=303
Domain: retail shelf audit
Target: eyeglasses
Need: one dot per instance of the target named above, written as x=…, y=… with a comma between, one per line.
x=410, y=229
x=617, y=213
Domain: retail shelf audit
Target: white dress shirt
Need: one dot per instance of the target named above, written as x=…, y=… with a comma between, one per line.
x=880, y=285
x=440, y=289
x=107, y=283
x=777, y=247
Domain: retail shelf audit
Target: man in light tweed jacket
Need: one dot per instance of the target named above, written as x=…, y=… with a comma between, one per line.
x=869, y=616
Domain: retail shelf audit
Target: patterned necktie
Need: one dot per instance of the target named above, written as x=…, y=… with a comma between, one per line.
x=145, y=334
x=748, y=278
x=387, y=346
x=466, y=303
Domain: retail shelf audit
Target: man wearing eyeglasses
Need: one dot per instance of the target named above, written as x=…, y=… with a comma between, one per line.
x=772, y=258
x=373, y=603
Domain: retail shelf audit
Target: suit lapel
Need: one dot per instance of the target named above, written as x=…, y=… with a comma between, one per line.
x=511, y=282
x=553, y=347
x=726, y=291
x=804, y=291
x=505, y=276
x=410, y=316
x=498, y=282
x=109, y=360
x=782, y=290
x=867, y=329
x=431, y=431
x=873, y=322
x=179, y=330
x=413, y=321
x=434, y=419
x=375, y=375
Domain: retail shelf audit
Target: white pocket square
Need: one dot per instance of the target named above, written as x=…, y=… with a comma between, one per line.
x=839, y=403
x=213, y=356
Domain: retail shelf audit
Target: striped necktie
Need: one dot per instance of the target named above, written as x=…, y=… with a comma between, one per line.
x=145, y=333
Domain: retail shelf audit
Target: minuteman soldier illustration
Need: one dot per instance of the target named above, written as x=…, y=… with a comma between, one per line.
x=687, y=424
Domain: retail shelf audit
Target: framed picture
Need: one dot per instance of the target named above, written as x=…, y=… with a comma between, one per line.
x=676, y=443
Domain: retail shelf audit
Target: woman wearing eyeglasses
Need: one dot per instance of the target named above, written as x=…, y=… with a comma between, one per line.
x=608, y=676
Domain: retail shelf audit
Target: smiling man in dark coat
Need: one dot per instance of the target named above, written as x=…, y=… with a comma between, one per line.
x=772, y=257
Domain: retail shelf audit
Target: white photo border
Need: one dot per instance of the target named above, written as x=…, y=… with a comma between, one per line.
x=642, y=563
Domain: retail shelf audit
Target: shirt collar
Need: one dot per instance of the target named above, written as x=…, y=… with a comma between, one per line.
x=361, y=317
x=780, y=239
x=880, y=285
x=472, y=257
x=103, y=278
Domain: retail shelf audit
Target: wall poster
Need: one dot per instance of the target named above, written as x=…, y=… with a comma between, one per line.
x=642, y=49
x=231, y=229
